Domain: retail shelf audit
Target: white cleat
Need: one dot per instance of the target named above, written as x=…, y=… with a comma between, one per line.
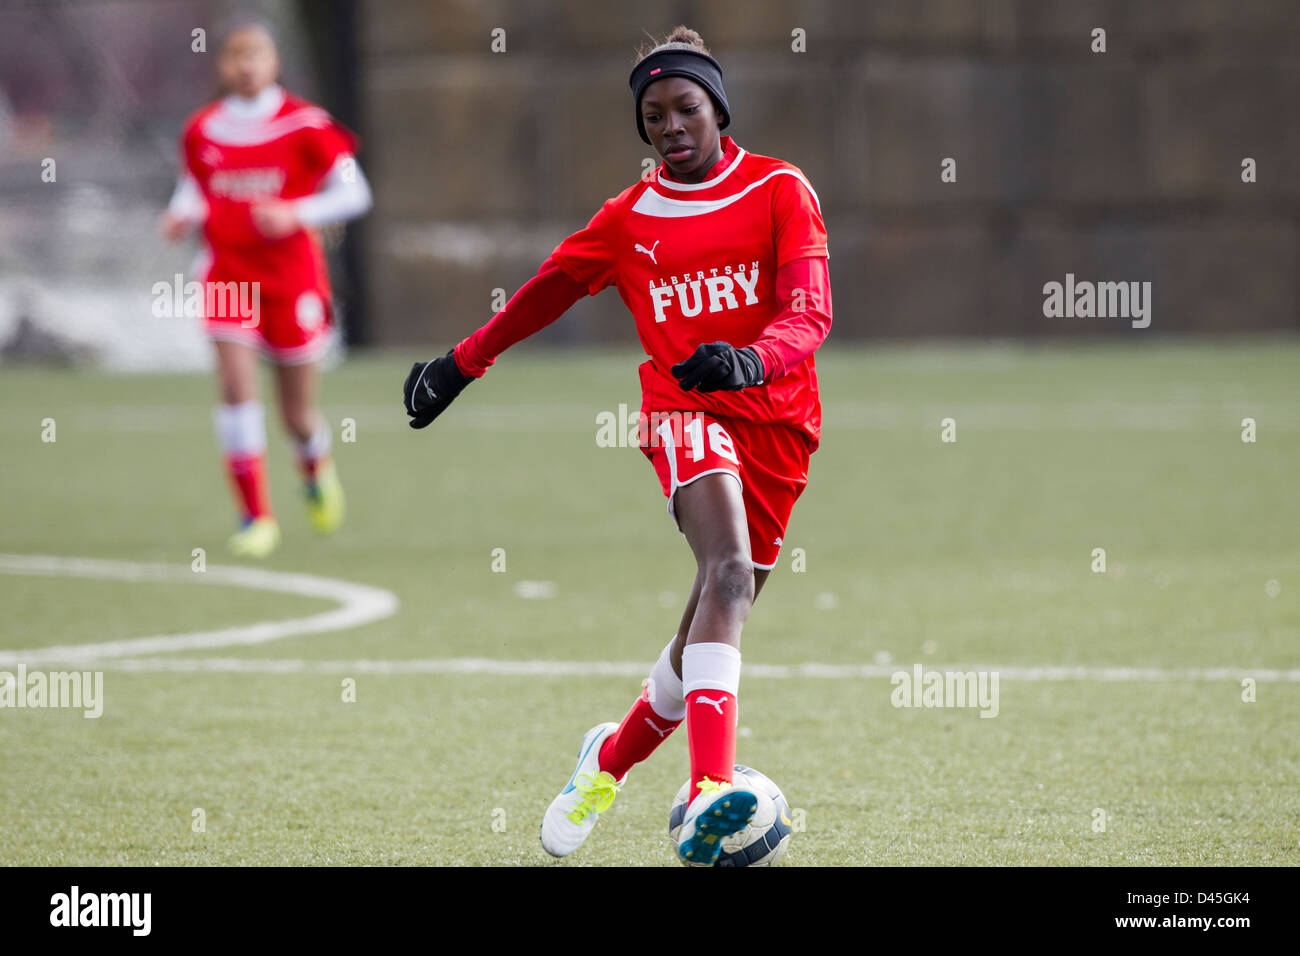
x=584, y=798
x=719, y=810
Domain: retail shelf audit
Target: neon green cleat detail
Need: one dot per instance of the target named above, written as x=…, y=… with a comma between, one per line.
x=590, y=791
x=597, y=792
x=256, y=539
x=325, y=502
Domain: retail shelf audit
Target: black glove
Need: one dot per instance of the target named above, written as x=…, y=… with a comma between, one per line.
x=430, y=388
x=718, y=367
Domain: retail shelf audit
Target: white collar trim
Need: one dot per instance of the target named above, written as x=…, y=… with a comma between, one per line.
x=651, y=203
x=262, y=106
x=708, y=183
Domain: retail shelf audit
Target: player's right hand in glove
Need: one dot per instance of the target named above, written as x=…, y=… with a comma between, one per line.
x=719, y=366
x=431, y=387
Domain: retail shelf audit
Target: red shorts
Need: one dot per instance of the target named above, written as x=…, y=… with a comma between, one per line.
x=288, y=329
x=769, y=461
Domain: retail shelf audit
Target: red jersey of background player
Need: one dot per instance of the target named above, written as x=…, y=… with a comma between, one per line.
x=697, y=263
x=237, y=162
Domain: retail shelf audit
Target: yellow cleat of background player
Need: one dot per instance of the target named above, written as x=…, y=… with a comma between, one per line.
x=325, y=500
x=256, y=539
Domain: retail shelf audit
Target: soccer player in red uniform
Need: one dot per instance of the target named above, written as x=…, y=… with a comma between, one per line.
x=261, y=169
x=721, y=258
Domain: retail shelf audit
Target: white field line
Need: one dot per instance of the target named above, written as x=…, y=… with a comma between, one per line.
x=358, y=604
x=363, y=603
x=1086, y=415
x=534, y=668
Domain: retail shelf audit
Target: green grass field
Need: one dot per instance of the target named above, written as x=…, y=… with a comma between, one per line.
x=970, y=555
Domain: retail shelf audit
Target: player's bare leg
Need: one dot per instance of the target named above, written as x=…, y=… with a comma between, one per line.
x=609, y=751
x=240, y=422
x=236, y=372
x=297, y=386
x=679, y=642
x=661, y=707
x=711, y=513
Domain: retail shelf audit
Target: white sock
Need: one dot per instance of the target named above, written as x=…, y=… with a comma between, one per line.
x=710, y=667
x=241, y=428
x=664, y=688
x=318, y=445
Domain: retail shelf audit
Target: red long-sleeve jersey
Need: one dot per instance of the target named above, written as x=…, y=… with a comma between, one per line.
x=738, y=258
x=237, y=162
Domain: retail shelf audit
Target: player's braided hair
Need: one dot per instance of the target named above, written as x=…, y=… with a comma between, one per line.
x=681, y=38
x=244, y=20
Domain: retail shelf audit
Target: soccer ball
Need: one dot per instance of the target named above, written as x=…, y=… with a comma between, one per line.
x=763, y=842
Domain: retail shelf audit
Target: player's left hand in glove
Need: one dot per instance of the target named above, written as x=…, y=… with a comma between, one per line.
x=431, y=387
x=719, y=367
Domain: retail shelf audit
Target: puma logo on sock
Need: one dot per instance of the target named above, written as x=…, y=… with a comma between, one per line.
x=715, y=704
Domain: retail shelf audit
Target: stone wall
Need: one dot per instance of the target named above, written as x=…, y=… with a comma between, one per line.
x=1115, y=166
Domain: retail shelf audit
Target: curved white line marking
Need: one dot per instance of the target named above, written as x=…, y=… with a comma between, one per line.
x=358, y=604
x=362, y=603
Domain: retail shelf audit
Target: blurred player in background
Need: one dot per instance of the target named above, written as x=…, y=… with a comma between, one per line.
x=721, y=258
x=261, y=170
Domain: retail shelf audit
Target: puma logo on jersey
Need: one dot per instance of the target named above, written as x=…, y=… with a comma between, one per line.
x=721, y=287
x=651, y=251
x=661, y=733
x=715, y=704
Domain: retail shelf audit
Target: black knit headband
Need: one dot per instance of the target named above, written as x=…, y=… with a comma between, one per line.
x=692, y=64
